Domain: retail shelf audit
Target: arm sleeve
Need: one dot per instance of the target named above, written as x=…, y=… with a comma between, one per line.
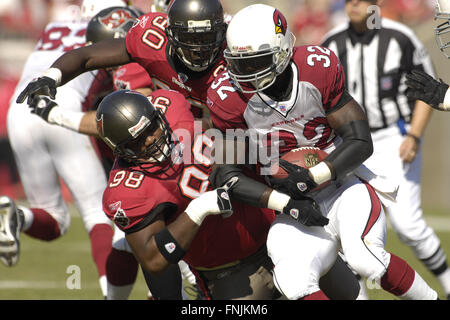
x=247, y=190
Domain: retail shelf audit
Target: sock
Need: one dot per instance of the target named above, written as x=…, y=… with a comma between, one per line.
x=362, y=291
x=121, y=272
x=43, y=226
x=28, y=217
x=318, y=295
x=101, y=244
x=444, y=279
x=401, y=280
x=103, y=285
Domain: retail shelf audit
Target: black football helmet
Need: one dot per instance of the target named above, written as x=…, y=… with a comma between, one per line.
x=111, y=23
x=125, y=118
x=196, y=31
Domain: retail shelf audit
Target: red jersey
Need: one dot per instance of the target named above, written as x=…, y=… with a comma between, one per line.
x=131, y=76
x=147, y=45
x=318, y=83
x=133, y=199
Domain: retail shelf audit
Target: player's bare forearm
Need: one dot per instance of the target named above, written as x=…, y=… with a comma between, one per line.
x=88, y=124
x=104, y=54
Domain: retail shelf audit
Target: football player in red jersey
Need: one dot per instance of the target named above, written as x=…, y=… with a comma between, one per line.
x=149, y=189
x=150, y=196
x=298, y=94
x=180, y=50
x=112, y=23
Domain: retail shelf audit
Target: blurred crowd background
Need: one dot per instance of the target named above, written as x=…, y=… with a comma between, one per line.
x=22, y=21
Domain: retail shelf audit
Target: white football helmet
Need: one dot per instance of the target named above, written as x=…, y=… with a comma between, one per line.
x=259, y=47
x=90, y=8
x=443, y=29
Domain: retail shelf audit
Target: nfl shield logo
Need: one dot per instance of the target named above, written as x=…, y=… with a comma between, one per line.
x=302, y=186
x=170, y=247
x=294, y=213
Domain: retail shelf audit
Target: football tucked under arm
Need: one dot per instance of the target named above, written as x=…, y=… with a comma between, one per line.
x=307, y=158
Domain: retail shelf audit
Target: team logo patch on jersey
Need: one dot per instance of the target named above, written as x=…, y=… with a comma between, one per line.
x=116, y=18
x=121, y=218
x=280, y=22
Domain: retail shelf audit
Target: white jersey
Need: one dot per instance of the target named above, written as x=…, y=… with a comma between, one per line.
x=57, y=38
x=45, y=152
x=300, y=121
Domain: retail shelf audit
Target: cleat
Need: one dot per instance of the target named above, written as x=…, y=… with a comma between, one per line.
x=11, y=221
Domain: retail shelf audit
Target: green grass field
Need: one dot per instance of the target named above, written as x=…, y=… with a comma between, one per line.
x=42, y=271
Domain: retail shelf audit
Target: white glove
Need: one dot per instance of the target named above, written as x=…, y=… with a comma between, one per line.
x=212, y=202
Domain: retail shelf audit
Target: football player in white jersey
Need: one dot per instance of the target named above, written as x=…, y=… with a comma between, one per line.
x=298, y=93
x=46, y=153
x=421, y=85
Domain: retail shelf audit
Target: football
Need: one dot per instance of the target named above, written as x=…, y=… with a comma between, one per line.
x=305, y=157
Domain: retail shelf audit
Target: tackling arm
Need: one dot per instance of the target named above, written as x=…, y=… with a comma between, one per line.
x=104, y=54
x=108, y=53
x=156, y=246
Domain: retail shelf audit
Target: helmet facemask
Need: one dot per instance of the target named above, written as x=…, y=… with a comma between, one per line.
x=156, y=157
x=255, y=71
x=199, y=45
x=442, y=32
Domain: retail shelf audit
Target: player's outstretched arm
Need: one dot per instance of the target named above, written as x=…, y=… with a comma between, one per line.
x=108, y=53
x=157, y=245
x=424, y=87
x=51, y=112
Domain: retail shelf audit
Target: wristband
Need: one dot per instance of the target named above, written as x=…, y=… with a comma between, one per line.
x=320, y=173
x=416, y=138
x=55, y=74
x=169, y=248
x=277, y=201
x=65, y=118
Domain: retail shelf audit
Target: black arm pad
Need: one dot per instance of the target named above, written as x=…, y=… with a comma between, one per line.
x=246, y=190
x=355, y=148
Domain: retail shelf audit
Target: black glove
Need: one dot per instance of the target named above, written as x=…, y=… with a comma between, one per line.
x=297, y=183
x=306, y=211
x=41, y=86
x=424, y=87
x=41, y=105
x=223, y=197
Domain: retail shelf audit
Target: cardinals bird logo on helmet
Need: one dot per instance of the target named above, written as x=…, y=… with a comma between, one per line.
x=280, y=22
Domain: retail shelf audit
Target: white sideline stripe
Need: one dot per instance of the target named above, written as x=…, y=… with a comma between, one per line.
x=21, y=284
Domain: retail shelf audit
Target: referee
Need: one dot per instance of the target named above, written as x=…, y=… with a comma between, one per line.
x=376, y=54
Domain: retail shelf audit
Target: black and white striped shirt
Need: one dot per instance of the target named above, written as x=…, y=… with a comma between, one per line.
x=375, y=65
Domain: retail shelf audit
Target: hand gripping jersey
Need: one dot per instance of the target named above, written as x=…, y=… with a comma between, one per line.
x=147, y=45
x=317, y=86
x=133, y=199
